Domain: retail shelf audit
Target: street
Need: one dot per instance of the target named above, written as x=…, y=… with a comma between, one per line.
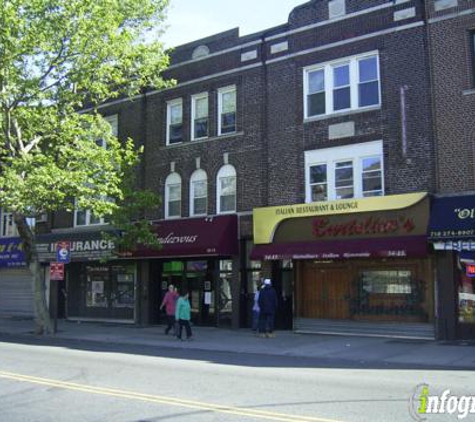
x=67, y=380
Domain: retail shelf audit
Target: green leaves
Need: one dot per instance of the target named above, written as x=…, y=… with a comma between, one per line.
x=56, y=56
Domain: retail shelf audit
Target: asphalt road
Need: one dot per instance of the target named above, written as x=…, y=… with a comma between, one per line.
x=62, y=380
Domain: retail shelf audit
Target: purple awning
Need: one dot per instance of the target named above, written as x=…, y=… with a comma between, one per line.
x=395, y=247
x=208, y=236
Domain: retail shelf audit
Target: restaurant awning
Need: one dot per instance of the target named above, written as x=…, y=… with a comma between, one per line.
x=395, y=247
x=207, y=236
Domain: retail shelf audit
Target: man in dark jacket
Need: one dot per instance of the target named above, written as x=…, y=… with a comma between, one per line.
x=268, y=307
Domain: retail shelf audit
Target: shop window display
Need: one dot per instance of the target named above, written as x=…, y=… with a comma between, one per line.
x=466, y=299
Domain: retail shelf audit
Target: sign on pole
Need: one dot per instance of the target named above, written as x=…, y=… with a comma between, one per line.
x=63, y=252
x=56, y=271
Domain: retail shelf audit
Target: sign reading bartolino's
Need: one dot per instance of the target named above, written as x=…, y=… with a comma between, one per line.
x=377, y=217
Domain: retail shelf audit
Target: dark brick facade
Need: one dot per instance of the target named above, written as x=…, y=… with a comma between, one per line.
x=454, y=94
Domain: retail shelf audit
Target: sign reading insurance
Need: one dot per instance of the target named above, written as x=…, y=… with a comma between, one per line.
x=11, y=253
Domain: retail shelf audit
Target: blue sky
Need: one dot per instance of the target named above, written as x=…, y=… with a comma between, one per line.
x=189, y=20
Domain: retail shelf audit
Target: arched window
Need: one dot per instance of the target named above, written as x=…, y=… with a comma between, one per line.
x=226, y=189
x=199, y=193
x=173, y=196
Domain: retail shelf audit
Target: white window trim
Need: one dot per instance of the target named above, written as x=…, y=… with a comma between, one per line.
x=330, y=156
x=194, y=99
x=170, y=104
x=12, y=230
x=172, y=179
x=226, y=171
x=327, y=67
x=222, y=91
x=196, y=177
x=88, y=223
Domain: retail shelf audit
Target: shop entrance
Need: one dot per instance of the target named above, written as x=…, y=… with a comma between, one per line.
x=208, y=282
x=326, y=294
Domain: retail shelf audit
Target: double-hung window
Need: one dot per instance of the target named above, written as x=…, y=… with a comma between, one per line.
x=227, y=110
x=352, y=171
x=174, y=121
x=199, y=113
x=7, y=225
x=348, y=84
x=199, y=193
x=226, y=185
x=173, y=196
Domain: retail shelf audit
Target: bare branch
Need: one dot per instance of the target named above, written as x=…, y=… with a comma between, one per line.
x=32, y=144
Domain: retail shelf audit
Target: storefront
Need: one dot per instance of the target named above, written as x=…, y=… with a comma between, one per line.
x=360, y=265
x=198, y=255
x=16, y=290
x=97, y=286
x=452, y=234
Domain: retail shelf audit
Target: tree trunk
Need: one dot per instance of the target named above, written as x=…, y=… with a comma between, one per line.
x=43, y=323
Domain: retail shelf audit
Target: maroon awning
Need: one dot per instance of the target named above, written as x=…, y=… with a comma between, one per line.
x=208, y=236
x=395, y=247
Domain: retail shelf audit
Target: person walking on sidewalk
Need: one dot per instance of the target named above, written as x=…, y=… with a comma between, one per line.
x=255, y=308
x=169, y=302
x=268, y=307
x=183, y=315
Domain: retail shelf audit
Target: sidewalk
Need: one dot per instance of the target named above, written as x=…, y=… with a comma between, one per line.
x=358, y=350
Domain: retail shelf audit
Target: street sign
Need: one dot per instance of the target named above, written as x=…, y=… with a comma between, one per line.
x=63, y=252
x=56, y=271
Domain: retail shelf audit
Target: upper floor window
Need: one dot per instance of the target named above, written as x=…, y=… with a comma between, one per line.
x=174, y=121
x=199, y=193
x=7, y=225
x=199, y=116
x=227, y=110
x=173, y=196
x=226, y=189
x=351, y=171
x=86, y=218
x=348, y=84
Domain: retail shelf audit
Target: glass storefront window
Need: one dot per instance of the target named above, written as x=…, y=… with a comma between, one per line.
x=97, y=280
x=387, y=282
x=110, y=286
x=123, y=286
x=466, y=299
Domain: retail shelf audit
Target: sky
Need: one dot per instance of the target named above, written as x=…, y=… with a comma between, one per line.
x=190, y=20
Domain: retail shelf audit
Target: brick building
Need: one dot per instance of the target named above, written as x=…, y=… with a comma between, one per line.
x=451, y=34
x=303, y=153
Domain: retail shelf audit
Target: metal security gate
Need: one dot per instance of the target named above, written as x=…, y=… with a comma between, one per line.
x=16, y=293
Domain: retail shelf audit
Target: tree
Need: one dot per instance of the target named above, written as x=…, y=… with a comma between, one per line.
x=58, y=57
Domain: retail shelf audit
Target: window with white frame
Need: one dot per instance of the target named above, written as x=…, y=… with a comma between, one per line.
x=174, y=121
x=347, y=84
x=86, y=217
x=199, y=193
x=7, y=225
x=226, y=189
x=227, y=110
x=350, y=171
x=199, y=116
x=173, y=196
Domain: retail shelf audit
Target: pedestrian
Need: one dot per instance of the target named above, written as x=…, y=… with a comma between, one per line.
x=268, y=307
x=183, y=315
x=169, y=303
x=255, y=307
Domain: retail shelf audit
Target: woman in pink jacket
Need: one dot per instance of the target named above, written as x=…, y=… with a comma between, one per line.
x=169, y=302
